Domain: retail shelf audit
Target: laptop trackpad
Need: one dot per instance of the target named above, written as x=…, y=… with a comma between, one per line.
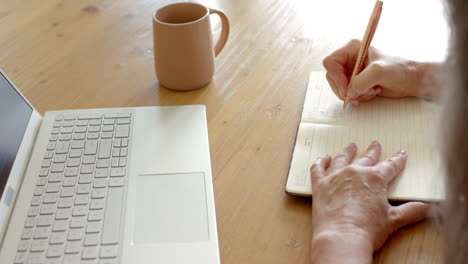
x=170, y=208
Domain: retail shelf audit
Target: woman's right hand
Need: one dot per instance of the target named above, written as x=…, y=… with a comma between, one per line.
x=382, y=75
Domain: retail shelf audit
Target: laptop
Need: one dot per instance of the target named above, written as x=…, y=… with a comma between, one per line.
x=120, y=185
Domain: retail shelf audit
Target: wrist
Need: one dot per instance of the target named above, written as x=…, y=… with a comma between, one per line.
x=428, y=86
x=335, y=246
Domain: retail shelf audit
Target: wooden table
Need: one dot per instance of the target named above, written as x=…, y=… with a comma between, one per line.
x=98, y=53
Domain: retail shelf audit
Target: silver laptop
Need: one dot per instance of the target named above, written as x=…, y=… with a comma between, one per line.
x=123, y=185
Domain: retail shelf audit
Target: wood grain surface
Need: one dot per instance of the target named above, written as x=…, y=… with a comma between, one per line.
x=66, y=54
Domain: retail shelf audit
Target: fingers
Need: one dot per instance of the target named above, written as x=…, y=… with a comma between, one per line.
x=318, y=169
x=334, y=86
x=369, y=95
x=339, y=65
x=392, y=167
x=368, y=78
x=371, y=156
x=345, y=158
x=407, y=213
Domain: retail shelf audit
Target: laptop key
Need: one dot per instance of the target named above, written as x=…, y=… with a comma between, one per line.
x=124, y=115
x=38, y=191
x=89, y=252
x=95, y=122
x=39, y=245
x=29, y=222
x=72, y=247
x=78, y=145
x=36, y=200
x=63, y=214
x=59, y=226
x=75, y=234
x=79, y=136
x=89, y=116
x=122, y=131
x=27, y=233
x=36, y=258
x=58, y=238
x=105, y=149
x=66, y=202
x=62, y=147
x=116, y=182
x=69, y=117
x=72, y=258
x=111, y=226
x=41, y=181
x=94, y=227
x=82, y=122
x=102, y=172
x=46, y=163
x=59, y=167
x=92, y=240
x=41, y=232
x=67, y=192
x=20, y=258
x=117, y=172
x=68, y=123
x=109, y=251
x=123, y=121
x=50, y=198
x=91, y=147
x=45, y=220
x=51, y=146
x=55, y=251
x=55, y=177
x=23, y=245
x=89, y=159
x=94, y=215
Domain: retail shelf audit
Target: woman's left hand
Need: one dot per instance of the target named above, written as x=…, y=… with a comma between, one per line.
x=350, y=203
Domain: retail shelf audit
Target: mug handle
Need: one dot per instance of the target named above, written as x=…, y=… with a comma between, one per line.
x=224, y=30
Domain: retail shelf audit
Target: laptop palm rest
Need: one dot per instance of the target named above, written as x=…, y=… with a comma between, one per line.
x=170, y=208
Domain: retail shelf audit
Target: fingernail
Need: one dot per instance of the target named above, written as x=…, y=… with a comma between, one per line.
x=402, y=152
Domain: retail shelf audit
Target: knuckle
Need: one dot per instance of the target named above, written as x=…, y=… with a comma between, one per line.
x=393, y=167
x=313, y=168
x=376, y=177
x=350, y=170
x=354, y=42
x=395, y=217
x=377, y=174
x=340, y=156
x=326, y=62
x=368, y=158
x=378, y=67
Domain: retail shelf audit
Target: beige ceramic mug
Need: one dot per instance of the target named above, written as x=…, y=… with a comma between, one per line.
x=183, y=45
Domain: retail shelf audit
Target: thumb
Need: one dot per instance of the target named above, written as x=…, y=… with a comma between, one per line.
x=407, y=213
x=368, y=78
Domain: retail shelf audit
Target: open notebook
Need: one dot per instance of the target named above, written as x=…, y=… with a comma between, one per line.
x=407, y=123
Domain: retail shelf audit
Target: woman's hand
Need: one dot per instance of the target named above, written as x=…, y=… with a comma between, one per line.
x=351, y=216
x=381, y=75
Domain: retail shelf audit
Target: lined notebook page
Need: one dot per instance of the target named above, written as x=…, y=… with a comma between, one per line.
x=397, y=124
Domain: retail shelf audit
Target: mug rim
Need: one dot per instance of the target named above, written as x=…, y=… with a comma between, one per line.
x=185, y=23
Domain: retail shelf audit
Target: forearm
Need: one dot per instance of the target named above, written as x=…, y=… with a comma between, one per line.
x=334, y=247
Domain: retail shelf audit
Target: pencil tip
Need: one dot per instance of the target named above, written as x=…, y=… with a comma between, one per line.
x=345, y=104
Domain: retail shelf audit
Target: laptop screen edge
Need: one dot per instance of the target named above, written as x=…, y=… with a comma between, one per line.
x=17, y=172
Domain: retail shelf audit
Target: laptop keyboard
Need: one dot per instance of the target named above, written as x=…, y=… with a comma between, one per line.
x=75, y=212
